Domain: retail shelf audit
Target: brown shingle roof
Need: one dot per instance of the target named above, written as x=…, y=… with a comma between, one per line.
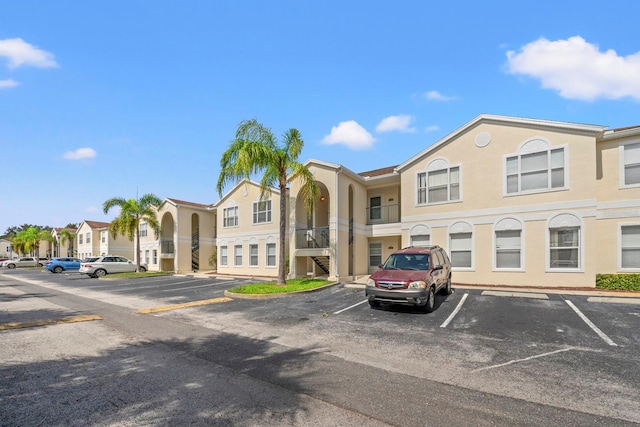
x=97, y=224
x=625, y=128
x=183, y=202
x=378, y=172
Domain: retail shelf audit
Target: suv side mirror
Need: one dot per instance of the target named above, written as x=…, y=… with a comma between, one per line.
x=437, y=267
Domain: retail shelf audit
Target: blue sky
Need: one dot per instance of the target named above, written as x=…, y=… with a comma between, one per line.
x=114, y=99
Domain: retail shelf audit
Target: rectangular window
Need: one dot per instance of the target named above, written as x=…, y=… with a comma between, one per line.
x=375, y=208
x=262, y=212
x=253, y=255
x=508, y=249
x=630, y=246
x=632, y=164
x=230, y=217
x=146, y=256
x=271, y=254
x=543, y=170
x=88, y=237
x=143, y=229
x=564, y=248
x=155, y=256
x=439, y=186
x=103, y=236
x=80, y=238
x=421, y=240
x=461, y=250
x=237, y=255
x=375, y=254
x=223, y=256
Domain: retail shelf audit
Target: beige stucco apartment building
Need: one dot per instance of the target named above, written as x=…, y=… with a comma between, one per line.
x=93, y=239
x=514, y=201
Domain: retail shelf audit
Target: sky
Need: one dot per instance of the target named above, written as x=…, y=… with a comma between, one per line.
x=124, y=98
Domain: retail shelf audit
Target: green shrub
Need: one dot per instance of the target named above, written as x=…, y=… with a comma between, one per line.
x=621, y=282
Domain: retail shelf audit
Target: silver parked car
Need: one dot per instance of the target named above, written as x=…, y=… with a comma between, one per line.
x=25, y=261
x=109, y=264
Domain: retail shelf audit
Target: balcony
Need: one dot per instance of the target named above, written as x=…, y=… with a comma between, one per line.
x=383, y=214
x=167, y=249
x=310, y=238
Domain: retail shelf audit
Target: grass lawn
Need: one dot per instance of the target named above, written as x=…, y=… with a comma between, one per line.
x=293, y=285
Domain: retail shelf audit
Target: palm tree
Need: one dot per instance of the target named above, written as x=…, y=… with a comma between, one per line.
x=67, y=235
x=132, y=212
x=255, y=150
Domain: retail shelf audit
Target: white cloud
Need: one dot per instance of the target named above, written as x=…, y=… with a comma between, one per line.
x=4, y=84
x=400, y=123
x=434, y=95
x=19, y=52
x=80, y=153
x=577, y=69
x=351, y=134
x=431, y=128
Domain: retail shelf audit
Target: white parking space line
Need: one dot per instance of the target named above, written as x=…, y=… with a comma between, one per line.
x=457, y=309
x=591, y=325
x=515, y=294
x=511, y=362
x=615, y=300
x=351, y=306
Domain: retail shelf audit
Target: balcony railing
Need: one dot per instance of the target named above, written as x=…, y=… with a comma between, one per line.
x=383, y=214
x=167, y=247
x=317, y=237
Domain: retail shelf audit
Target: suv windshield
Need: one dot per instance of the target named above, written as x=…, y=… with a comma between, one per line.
x=407, y=262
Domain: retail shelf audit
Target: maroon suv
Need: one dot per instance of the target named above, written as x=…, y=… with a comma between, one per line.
x=411, y=276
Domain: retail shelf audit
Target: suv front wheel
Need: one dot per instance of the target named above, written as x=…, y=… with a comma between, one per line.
x=431, y=301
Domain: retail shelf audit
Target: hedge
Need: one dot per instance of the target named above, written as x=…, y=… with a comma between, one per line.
x=621, y=282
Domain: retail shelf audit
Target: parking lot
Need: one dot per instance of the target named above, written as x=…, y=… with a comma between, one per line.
x=551, y=348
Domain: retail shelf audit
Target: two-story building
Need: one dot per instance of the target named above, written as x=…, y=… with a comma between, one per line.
x=514, y=201
x=93, y=239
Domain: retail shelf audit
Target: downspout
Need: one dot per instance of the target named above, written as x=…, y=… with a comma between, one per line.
x=337, y=262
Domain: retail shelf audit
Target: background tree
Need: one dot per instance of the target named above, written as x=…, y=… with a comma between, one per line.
x=132, y=212
x=255, y=150
x=27, y=241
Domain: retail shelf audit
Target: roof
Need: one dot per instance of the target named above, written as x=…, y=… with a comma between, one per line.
x=377, y=172
x=185, y=203
x=96, y=224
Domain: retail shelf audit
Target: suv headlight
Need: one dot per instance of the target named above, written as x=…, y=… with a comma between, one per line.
x=417, y=285
x=371, y=283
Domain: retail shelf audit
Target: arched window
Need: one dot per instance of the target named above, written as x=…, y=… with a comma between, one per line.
x=565, y=242
x=461, y=245
x=440, y=183
x=536, y=167
x=508, y=244
x=420, y=235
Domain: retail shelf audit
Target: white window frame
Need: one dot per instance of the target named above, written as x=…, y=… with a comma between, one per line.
x=80, y=239
x=379, y=207
x=438, y=165
x=266, y=212
x=535, y=146
x=508, y=224
x=103, y=236
x=237, y=255
x=143, y=229
x=623, y=165
x=462, y=227
x=224, y=256
x=229, y=220
x=369, y=255
x=560, y=221
x=252, y=255
x=268, y=246
x=146, y=256
x=88, y=238
x=621, y=248
x=155, y=257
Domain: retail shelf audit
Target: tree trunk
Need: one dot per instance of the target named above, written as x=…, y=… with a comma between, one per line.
x=283, y=223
